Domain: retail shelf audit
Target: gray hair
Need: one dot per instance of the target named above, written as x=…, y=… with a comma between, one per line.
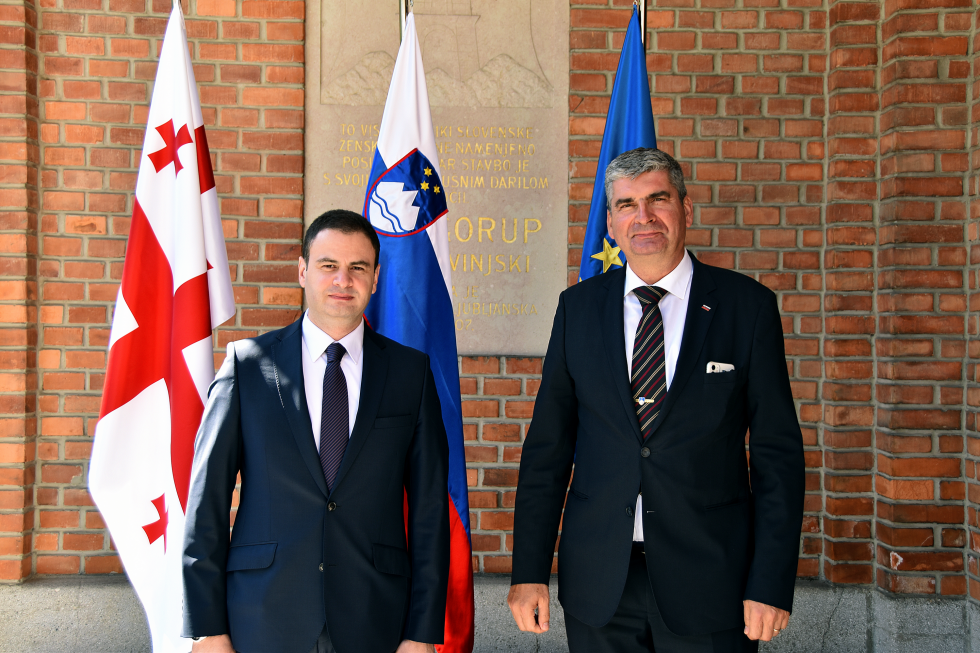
x=634, y=163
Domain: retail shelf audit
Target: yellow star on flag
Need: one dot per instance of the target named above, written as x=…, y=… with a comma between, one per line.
x=609, y=256
x=424, y=185
x=435, y=189
x=428, y=172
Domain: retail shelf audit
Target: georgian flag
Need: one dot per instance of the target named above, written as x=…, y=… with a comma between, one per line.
x=175, y=289
x=405, y=203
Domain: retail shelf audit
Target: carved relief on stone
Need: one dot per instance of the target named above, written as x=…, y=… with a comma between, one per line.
x=477, y=53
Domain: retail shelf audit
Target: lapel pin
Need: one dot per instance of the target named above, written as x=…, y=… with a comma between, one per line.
x=705, y=307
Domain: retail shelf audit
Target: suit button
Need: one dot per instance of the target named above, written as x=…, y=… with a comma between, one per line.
x=321, y=566
x=629, y=511
x=645, y=452
x=331, y=506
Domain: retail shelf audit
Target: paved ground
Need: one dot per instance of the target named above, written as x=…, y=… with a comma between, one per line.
x=83, y=614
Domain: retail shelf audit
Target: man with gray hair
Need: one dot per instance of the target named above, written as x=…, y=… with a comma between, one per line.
x=672, y=540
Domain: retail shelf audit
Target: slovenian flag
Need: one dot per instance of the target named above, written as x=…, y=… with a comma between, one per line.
x=405, y=203
x=629, y=125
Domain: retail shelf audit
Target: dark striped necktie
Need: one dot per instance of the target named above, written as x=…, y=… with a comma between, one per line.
x=649, y=371
x=334, y=427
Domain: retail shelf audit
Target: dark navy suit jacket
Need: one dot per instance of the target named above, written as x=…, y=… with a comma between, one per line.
x=298, y=555
x=715, y=532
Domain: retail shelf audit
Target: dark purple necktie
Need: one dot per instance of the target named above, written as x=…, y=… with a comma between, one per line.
x=649, y=372
x=334, y=429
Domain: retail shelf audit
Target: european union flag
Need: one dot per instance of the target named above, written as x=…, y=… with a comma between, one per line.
x=629, y=125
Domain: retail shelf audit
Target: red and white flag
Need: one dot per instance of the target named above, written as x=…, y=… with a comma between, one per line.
x=175, y=290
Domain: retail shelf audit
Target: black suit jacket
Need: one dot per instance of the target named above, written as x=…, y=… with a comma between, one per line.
x=715, y=533
x=298, y=555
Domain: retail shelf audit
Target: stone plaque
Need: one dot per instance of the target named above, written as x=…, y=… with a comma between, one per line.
x=497, y=74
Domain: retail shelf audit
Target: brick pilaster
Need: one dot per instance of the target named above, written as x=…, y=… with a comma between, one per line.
x=18, y=284
x=922, y=298
x=971, y=386
x=849, y=257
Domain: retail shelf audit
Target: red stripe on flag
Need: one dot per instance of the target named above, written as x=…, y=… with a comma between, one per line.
x=204, y=171
x=154, y=350
x=141, y=357
x=193, y=306
x=459, y=597
x=458, y=636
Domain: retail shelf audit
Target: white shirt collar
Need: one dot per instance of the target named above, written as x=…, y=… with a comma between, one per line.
x=677, y=282
x=317, y=340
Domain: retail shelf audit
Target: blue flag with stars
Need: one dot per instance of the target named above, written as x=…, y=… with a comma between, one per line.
x=629, y=125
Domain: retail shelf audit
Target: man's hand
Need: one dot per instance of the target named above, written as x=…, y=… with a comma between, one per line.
x=526, y=598
x=763, y=622
x=408, y=646
x=216, y=644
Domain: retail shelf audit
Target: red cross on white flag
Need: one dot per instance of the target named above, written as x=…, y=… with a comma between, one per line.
x=175, y=289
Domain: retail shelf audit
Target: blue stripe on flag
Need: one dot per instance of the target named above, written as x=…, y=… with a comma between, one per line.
x=412, y=306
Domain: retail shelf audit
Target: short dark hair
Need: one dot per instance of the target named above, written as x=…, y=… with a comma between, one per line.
x=346, y=222
x=634, y=163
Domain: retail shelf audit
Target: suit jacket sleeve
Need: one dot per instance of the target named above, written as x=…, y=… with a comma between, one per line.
x=546, y=464
x=776, y=465
x=426, y=486
x=217, y=453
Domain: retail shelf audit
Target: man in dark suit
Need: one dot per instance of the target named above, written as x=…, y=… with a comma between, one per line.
x=670, y=541
x=333, y=428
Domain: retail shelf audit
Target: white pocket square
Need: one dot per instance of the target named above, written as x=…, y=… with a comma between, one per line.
x=719, y=367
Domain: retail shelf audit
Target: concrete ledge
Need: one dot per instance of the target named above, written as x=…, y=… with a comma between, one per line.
x=72, y=614
x=92, y=614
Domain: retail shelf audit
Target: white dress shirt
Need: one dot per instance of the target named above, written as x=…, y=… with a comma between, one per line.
x=315, y=343
x=673, y=308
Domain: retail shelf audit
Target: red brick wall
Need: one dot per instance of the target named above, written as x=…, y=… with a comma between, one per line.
x=922, y=299
x=87, y=81
x=972, y=398
x=831, y=148
x=846, y=418
x=19, y=200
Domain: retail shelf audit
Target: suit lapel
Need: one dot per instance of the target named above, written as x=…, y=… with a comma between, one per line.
x=372, y=387
x=614, y=339
x=287, y=359
x=695, y=330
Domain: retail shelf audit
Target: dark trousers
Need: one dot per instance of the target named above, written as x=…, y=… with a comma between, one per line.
x=323, y=644
x=637, y=625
